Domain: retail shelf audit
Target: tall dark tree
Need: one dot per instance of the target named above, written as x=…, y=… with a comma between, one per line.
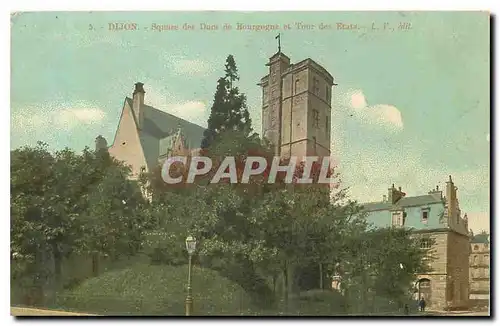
x=229, y=110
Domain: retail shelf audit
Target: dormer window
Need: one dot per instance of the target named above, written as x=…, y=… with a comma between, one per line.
x=425, y=215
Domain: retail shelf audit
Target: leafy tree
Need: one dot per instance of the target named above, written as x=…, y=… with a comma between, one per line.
x=229, y=110
x=65, y=203
x=382, y=267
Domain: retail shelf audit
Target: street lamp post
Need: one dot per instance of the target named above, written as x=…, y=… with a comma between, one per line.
x=190, y=247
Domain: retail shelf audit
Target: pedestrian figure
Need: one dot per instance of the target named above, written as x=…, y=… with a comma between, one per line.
x=407, y=309
x=421, y=304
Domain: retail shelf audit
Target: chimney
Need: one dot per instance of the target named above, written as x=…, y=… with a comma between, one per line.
x=436, y=192
x=394, y=194
x=451, y=199
x=138, y=103
x=101, y=143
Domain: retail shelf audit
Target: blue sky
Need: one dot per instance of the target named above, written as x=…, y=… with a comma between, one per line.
x=412, y=106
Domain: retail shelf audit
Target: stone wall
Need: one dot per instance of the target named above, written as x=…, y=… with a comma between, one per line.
x=437, y=275
x=458, y=270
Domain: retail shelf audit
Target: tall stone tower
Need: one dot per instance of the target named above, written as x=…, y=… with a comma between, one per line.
x=296, y=107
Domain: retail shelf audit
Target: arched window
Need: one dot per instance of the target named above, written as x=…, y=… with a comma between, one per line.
x=425, y=283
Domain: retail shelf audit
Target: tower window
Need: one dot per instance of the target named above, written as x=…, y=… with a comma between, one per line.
x=315, y=118
x=316, y=86
x=327, y=126
x=297, y=85
x=327, y=93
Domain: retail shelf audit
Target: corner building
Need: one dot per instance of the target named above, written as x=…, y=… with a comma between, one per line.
x=446, y=284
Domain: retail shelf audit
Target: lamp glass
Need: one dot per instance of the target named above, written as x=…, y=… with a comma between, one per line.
x=190, y=244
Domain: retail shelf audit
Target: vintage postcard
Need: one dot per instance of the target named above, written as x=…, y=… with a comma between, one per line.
x=250, y=163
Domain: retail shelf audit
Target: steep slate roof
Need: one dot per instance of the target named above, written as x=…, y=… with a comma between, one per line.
x=158, y=125
x=404, y=202
x=480, y=238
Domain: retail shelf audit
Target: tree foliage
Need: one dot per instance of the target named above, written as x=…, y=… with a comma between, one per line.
x=67, y=203
x=229, y=110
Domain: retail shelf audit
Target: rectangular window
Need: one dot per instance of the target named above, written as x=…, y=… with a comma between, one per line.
x=327, y=125
x=425, y=243
x=397, y=219
x=315, y=118
x=316, y=86
x=425, y=215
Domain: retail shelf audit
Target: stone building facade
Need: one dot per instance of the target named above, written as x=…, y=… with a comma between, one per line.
x=296, y=107
x=446, y=285
x=479, y=268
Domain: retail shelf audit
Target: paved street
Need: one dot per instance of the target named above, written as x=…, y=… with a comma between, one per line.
x=16, y=311
x=458, y=313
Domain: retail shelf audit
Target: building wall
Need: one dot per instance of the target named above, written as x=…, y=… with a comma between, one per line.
x=479, y=271
x=437, y=273
x=449, y=274
x=294, y=114
x=449, y=271
x=458, y=270
x=291, y=96
x=383, y=218
x=319, y=99
x=271, y=108
x=126, y=146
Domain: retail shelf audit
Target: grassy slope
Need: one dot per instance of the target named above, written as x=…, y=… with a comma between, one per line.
x=156, y=290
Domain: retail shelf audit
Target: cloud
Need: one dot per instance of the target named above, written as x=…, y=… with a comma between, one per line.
x=70, y=117
x=190, y=67
x=55, y=115
x=384, y=116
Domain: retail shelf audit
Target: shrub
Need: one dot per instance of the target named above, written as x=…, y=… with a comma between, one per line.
x=156, y=290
